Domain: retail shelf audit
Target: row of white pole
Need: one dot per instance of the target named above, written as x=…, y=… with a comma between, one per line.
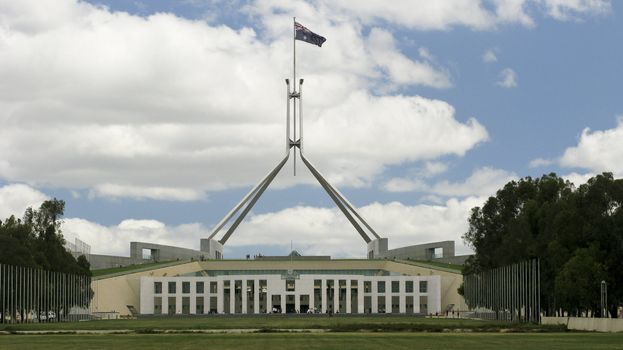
x=35, y=295
x=508, y=293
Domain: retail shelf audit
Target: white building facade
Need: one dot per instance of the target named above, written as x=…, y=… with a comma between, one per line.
x=290, y=293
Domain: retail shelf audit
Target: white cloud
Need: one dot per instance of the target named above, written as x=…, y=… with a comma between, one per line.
x=540, y=162
x=115, y=240
x=512, y=11
x=482, y=182
x=433, y=168
x=167, y=108
x=508, y=78
x=16, y=198
x=439, y=15
x=400, y=68
x=578, y=179
x=400, y=184
x=117, y=191
x=564, y=10
x=489, y=56
x=321, y=231
x=597, y=151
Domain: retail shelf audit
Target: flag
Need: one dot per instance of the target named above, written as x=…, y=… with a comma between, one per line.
x=307, y=35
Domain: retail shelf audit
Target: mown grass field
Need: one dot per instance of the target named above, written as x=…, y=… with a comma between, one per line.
x=336, y=323
x=325, y=341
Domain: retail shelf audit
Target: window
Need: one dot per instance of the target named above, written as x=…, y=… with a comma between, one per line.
x=213, y=288
x=409, y=286
x=367, y=286
x=423, y=286
x=199, y=287
x=172, y=288
x=157, y=287
x=395, y=286
x=381, y=287
x=290, y=284
x=185, y=287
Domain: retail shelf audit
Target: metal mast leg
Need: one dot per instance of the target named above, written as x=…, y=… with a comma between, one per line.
x=339, y=200
x=255, y=198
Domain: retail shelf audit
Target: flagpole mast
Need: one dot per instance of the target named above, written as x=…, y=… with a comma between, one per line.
x=294, y=88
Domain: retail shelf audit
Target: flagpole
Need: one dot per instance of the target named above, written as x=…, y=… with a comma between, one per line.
x=294, y=92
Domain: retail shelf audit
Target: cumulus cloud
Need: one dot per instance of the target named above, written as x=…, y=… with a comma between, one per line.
x=401, y=184
x=166, y=108
x=564, y=10
x=578, y=179
x=489, y=56
x=318, y=231
x=442, y=15
x=508, y=78
x=115, y=239
x=482, y=182
x=137, y=192
x=540, y=162
x=401, y=69
x=16, y=198
x=597, y=151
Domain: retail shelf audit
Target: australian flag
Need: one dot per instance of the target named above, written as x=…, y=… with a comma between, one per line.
x=307, y=35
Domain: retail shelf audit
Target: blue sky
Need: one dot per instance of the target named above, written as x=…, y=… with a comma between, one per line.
x=152, y=118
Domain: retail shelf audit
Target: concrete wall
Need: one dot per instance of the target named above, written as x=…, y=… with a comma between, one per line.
x=587, y=324
x=161, y=252
x=304, y=286
x=455, y=260
x=420, y=251
x=450, y=282
x=107, y=261
x=114, y=293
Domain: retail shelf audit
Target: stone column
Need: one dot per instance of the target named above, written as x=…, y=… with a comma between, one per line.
x=256, y=296
x=375, y=299
x=193, y=297
x=348, y=297
x=297, y=302
x=220, y=296
x=360, y=295
x=165, y=297
x=336, y=295
x=232, y=296
x=403, y=296
x=283, y=303
x=323, y=295
x=178, y=297
x=388, y=296
x=244, y=296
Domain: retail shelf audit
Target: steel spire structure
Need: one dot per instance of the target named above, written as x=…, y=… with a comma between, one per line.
x=293, y=142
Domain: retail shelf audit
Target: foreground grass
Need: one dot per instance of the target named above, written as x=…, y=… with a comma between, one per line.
x=336, y=323
x=359, y=341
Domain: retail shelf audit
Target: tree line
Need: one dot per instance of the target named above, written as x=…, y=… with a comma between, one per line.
x=36, y=241
x=38, y=271
x=575, y=232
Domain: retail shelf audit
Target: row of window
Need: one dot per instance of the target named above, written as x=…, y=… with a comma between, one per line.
x=290, y=286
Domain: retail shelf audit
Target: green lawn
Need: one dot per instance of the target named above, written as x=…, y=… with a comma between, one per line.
x=134, y=268
x=338, y=323
x=343, y=341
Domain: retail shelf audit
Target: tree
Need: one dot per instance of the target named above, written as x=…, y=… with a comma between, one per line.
x=578, y=282
x=36, y=242
x=550, y=219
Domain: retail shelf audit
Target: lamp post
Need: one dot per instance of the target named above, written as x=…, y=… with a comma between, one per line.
x=604, y=299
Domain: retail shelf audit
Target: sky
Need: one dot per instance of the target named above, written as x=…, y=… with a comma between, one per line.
x=152, y=119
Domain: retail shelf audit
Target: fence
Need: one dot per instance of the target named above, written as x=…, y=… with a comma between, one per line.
x=508, y=293
x=36, y=295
